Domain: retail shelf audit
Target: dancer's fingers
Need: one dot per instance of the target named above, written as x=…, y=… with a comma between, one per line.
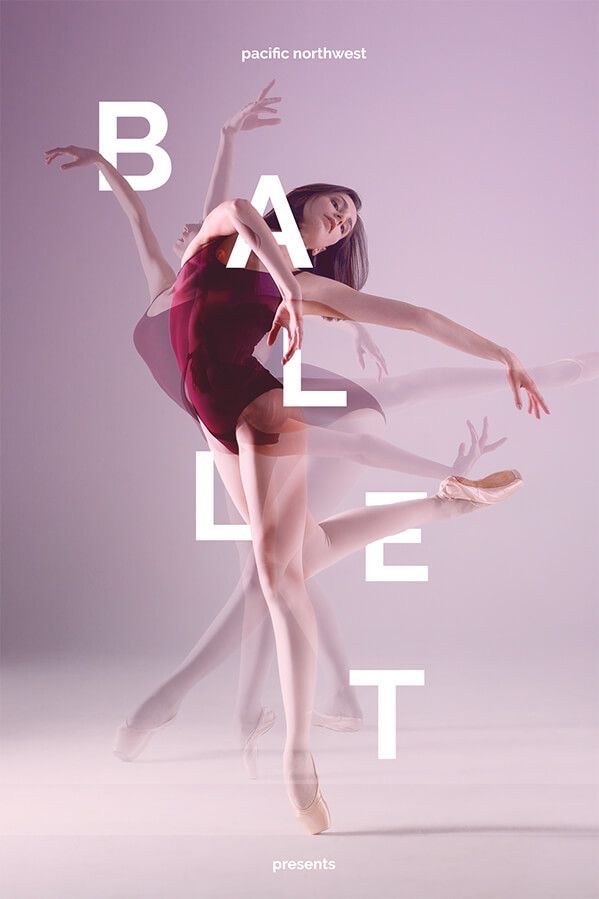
x=473, y=433
x=541, y=401
x=485, y=431
x=294, y=330
x=515, y=388
x=493, y=446
x=273, y=333
x=292, y=347
x=266, y=89
x=381, y=359
x=51, y=155
x=287, y=353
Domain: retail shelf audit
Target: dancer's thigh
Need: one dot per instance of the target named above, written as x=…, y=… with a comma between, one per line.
x=227, y=465
x=274, y=480
x=276, y=495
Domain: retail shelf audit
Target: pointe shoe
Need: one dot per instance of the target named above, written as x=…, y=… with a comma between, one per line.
x=314, y=817
x=579, y=364
x=130, y=741
x=249, y=750
x=342, y=723
x=492, y=489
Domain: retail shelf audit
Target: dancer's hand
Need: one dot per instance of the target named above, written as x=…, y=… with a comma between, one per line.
x=290, y=317
x=518, y=378
x=248, y=117
x=478, y=447
x=365, y=344
x=80, y=156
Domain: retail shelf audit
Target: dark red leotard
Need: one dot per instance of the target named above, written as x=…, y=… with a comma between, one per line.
x=216, y=319
x=218, y=316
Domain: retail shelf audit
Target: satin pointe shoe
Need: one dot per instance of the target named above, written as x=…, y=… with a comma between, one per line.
x=492, y=489
x=249, y=749
x=342, y=723
x=588, y=364
x=314, y=817
x=130, y=741
x=579, y=364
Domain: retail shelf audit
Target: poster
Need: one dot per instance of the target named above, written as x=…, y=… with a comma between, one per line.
x=452, y=719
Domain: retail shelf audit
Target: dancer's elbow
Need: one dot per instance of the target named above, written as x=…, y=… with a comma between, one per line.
x=420, y=319
x=239, y=205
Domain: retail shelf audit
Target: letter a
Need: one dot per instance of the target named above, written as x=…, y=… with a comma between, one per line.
x=270, y=188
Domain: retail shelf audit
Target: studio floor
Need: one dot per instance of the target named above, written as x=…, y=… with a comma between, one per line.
x=462, y=813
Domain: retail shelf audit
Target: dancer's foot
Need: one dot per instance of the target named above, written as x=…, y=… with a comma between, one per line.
x=341, y=713
x=130, y=741
x=342, y=723
x=303, y=789
x=561, y=373
x=133, y=735
x=249, y=736
x=572, y=370
x=485, y=491
x=589, y=366
x=154, y=711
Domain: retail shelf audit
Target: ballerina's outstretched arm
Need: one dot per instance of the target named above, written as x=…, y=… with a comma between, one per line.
x=159, y=274
x=249, y=117
x=323, y=296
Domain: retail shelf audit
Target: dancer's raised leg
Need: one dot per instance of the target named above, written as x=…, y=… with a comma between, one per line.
x=342, y=534
x=447, y=382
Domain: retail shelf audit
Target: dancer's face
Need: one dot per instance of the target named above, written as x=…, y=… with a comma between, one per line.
x=188, y=232
x=326, y=219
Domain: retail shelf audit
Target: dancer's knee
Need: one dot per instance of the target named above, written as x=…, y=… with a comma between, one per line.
x=278, y=574
x=317, y=547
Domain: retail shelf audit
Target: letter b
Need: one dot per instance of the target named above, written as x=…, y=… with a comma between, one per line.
x=110, y=145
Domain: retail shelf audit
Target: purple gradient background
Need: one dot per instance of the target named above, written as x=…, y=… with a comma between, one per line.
x=471, y=133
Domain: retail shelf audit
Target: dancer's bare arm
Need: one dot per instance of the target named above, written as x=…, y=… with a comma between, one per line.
x=159, y=274
x=324, y=296
x=247, y=119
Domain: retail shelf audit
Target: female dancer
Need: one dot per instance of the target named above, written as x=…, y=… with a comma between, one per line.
x=331, y=475
x=260, y=449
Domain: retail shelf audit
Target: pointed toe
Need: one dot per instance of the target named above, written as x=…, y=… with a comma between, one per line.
x=486, y=491
x=129, y=741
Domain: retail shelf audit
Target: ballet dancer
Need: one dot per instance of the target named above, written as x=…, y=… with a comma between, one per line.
x=362, y=413
x=217, y=316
